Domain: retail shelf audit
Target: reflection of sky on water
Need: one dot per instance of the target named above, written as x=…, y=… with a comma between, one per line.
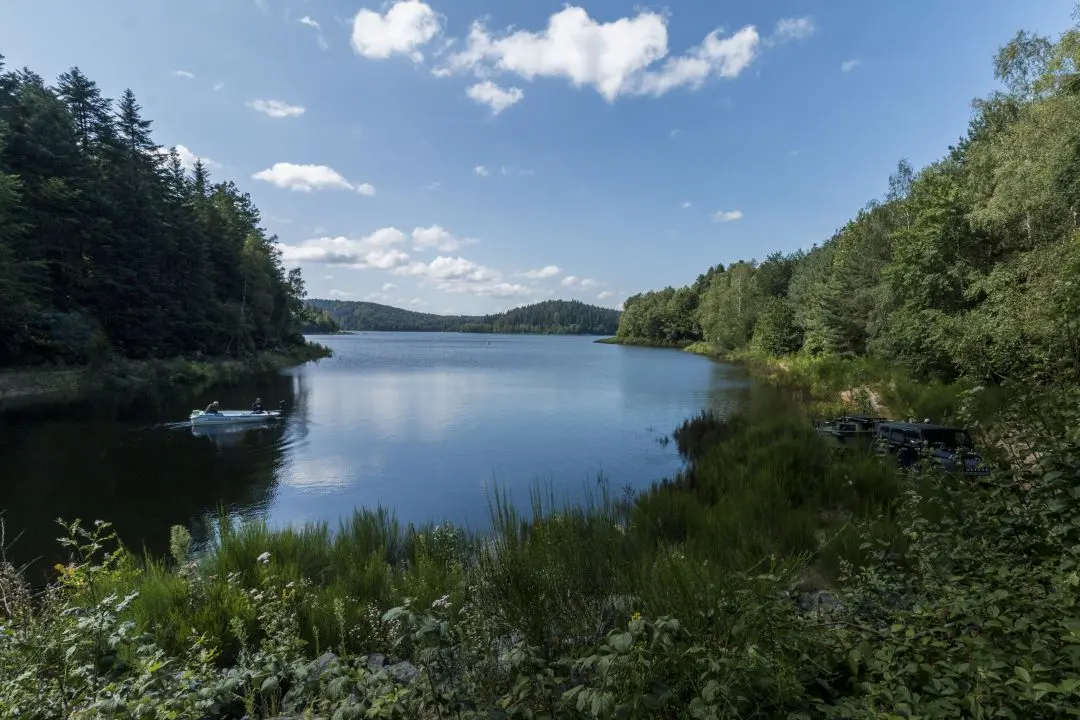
x=427, y=425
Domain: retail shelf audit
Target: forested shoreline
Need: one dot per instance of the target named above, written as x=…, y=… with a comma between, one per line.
x=110, y=247
x=549, y=317
x=965, y=268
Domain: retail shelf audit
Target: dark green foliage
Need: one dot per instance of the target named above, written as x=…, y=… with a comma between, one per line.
x=550, y=317
x=107, y=246
x=964, y=269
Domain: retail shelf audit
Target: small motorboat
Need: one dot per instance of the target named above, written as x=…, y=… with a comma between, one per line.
x=223, y=417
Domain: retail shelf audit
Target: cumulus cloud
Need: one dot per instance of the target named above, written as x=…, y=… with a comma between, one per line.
x=375, y=251
x=305, y=178
x=183, y=74
x=481, y=170
x=438, y=238
x=574, y=281
x=548, y=271
x=495, y=97
x=788, y=29
x=849, y=65
x=406, y=27
x=606, y=294
x=611, y=57
x=727, y=215
x=718, y=56
x=276, y=108
x=383, y=250
x=686, y=205
x=340, y=293
x=188, y=158
x=218, y=86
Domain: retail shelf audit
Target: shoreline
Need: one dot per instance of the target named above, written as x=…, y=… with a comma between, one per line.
x=24, y=387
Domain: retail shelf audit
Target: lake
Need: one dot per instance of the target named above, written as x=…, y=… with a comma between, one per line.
x=423, y=424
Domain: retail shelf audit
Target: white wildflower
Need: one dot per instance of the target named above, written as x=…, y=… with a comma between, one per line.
x=264, y=558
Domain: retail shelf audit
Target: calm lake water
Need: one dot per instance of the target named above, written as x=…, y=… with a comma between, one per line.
x=424, y=424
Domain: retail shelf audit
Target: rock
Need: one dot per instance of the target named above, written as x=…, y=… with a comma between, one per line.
x=376, y=662
x=403, y=672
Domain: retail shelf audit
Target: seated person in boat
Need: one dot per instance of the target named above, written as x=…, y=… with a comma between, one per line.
x=213, y=408
x=257, y=406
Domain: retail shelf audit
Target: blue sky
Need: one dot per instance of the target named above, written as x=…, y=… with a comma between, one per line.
x=624, y=146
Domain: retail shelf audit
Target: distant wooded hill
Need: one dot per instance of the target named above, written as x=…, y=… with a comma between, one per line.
x=550, y=317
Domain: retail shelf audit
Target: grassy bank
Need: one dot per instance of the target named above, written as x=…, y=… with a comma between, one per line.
x=23, y=387
x=771, y=579
x=636, y=342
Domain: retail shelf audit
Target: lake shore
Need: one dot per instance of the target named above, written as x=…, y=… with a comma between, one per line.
x=33, y=386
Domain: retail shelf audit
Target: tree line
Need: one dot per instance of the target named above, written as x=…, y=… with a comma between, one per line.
x=108, y=245
x=550, y=317
x=969, y=267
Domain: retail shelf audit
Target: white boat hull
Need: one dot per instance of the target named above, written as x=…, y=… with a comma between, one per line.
x=232, y=417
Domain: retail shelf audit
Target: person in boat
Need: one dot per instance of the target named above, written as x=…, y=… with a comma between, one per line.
x=257, y=406
x=213, y=408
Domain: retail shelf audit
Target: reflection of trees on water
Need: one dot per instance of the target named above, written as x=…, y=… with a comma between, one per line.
x=137, y=474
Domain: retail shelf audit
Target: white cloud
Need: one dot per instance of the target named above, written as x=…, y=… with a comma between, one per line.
x=459, y=275
x=481, y=170
x=495, y=97
x=340, y=294
x=612, y=57
x=727, y=215
x=305, y=178
x=438, y=238
x=722, y=57
x=374, y=251
x=675, y=132
x=417, y=301
x=686, y=205
x=605, y=295
x=570, y=280
x=276, y=108
x=433, y=186
x=188, y=158
x=588, y=283
x=377, y=297
x=849, y=65
x=389, y=287
x=788, y=29
x=218, y=86
x=548, y=271
x=406, y=26
x=307, y=20
x=183, y=74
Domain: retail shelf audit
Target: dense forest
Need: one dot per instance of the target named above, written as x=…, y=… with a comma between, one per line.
x=108, y=245
x=965, y=268
x=551, y=317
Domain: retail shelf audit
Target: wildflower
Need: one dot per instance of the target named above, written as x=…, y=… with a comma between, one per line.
x=442, y=603
x=635, y=616
x=264, y=558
